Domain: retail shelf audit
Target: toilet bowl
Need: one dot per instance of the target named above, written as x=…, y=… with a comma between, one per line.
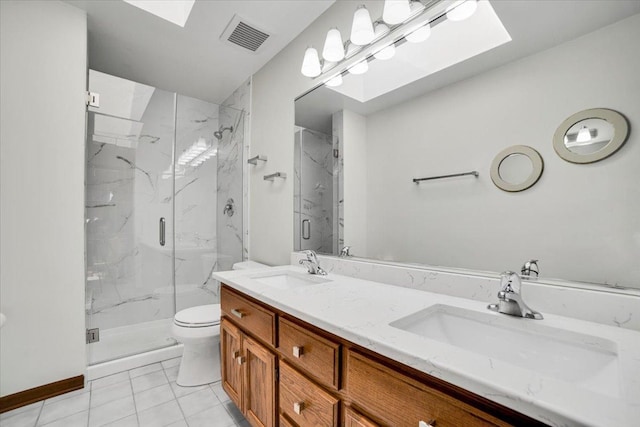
x=198, y=328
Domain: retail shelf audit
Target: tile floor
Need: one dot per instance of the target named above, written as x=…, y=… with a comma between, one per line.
x=144, y=397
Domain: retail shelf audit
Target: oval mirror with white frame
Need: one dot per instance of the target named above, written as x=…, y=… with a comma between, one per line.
x=516, y=168
x=590, y=135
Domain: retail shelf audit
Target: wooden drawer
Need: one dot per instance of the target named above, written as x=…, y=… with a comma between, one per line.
x=284, y=422
x=317, y=356
x=251, y=317
x=398, y=400
x=305, y=403
x=354, y=419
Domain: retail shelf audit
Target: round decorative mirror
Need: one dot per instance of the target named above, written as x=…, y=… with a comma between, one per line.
x=590, y=135
x=516, y=168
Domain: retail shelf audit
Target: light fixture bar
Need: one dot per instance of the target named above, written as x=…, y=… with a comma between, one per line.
x=432, y=13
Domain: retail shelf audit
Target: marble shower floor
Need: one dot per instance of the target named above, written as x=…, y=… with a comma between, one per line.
x=144, y=397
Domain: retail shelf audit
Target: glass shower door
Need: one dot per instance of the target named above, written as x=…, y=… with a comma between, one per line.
x=314, y=191
x=130, y=295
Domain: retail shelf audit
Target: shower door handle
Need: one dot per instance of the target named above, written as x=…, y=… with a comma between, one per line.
x=161, y=231
x=306, y=231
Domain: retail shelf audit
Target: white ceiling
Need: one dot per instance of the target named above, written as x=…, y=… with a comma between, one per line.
x=130, y=43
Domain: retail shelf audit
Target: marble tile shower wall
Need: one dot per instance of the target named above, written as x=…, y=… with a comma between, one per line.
x=232, y=167
x=230, y=189
x=196, y=247
x=313, y=200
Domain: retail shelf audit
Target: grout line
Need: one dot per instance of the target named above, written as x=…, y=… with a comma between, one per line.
x=175, y=396
x=39, y=414
x=90, y=397
x=133, y=396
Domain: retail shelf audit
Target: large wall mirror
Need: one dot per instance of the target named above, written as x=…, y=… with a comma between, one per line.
x=360, y=145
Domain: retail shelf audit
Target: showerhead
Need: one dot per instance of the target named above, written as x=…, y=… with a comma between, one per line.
x=218, y=133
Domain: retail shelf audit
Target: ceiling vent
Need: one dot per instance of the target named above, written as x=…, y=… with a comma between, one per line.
x=241, y=33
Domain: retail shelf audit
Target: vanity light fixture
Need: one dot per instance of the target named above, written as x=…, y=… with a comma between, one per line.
x=334, y=82
x=362, y=28
x=311, y=63
x=461, y=10
x=390, y=32
x=333, y=46
x=584, y=134
x=386, y=52
x=396, y=11
x=360, y=68
x=419, y=35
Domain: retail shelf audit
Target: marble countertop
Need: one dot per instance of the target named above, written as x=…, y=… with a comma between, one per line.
x=360, y=311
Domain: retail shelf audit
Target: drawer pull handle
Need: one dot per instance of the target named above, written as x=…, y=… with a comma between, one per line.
x=237, y=313
x=297, y=351
x=236, y=354
x=240, y=360
x=298, y=407
x=431, y=423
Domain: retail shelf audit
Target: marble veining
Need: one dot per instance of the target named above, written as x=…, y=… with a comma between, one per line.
x=236, y=229
x=577, y=300
x=362, y=311
x=131, y=183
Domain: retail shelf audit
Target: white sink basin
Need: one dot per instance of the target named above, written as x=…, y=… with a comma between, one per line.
x=285, y=280
x=588, y=361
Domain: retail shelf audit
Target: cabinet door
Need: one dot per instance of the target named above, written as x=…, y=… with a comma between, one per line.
x=231, y=352
x=354, y=419
x=260, y=384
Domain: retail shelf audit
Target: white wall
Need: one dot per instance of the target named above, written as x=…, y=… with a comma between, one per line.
x=42, y=81
x=355, y=182
x=275, y=87
x=582, y=221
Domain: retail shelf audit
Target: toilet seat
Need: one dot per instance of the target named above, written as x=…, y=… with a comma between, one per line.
x=202, y=316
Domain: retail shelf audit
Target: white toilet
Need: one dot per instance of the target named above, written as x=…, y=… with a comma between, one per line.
x=198, y=328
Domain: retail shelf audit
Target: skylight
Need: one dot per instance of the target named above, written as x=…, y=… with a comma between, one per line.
x=174, y=11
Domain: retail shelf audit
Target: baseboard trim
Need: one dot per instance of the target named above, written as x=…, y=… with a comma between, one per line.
x=26, y=397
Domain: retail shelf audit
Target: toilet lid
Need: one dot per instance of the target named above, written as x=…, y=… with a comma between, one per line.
x=200, y=316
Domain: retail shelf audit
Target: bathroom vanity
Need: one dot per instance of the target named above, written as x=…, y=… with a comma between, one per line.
x=302, y=350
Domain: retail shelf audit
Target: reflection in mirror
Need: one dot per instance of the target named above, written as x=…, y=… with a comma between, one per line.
x=314, y=191
x=388, y=126
x=515, y=168
x=588, y=136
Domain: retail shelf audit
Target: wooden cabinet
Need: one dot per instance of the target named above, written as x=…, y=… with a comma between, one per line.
x=319, y=373
x=354, y=419
x=248, y=366
x=249, y=316
x=259, y=384
x=305, y=403
x=399, y=400
x=317, y=356
x=231, y=350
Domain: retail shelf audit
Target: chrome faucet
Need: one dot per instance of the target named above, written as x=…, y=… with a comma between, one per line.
x=344, y=252
x=312, y=264
x=510, y=298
